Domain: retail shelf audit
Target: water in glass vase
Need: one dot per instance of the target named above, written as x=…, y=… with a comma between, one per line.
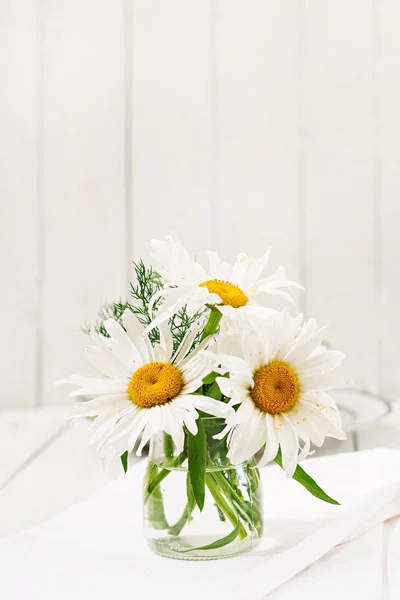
x=229, y=524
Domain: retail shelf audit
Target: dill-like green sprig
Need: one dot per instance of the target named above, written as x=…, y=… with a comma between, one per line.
x=147, y=283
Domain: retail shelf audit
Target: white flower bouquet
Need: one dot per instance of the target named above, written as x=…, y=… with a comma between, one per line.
x=218, y=384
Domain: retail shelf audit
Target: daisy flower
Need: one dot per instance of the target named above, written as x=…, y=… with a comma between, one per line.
x=233, y=288
x=143, y=390
x=280, y=386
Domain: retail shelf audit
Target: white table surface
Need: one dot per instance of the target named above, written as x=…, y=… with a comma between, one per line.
x=45, y=466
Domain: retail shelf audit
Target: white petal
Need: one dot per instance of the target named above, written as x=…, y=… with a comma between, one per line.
x=199, y=355
x=301, y=418
x=214, y=262
x=247, y=438
x=164, y=313
x=135, y=331
x=209, y=405
x=321, y=364
x=272, y=442
x=190, y=422
x=93, y=408
x=302, y=350
x=193, y=386
x=254, y=349
x=140, y=422
x=288, y=442
x=186, y=344
x=166, y=340
x=255, y=267
x=174, y=424
x=229, y=386
x=325, y=421
x=182, y=402
x=174, y=261
x=123, y=347
x=238, y=369
x=305, y=451
x=92, y=386
x=105, y=363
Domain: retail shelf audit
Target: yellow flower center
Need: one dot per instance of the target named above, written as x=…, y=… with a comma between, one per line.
x=275, y=388
x=154, y=383
x=230, y=294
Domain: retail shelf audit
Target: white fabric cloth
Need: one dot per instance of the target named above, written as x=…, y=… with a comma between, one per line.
x=96, y=550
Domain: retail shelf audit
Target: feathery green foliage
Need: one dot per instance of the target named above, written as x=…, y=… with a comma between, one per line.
x=147, y=283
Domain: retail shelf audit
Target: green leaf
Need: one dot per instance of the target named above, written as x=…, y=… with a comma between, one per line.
x=212, y=324
x=221, y=542
x=211, y=377
x=155, y=514
x=197, y=455
x=168, y=446
x=214, y=392
x=124, y=461
x=308, y=482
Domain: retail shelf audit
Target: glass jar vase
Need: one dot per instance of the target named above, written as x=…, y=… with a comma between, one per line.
x=231, y=521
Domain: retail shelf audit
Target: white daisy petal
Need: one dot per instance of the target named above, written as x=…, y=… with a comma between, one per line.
x=247, y=438
x=91, y=386
x=104, y=362
x=190, y=422
x=229, y=386
x=186, y=344
x=255, y=268
x=288, y=442
x=92, y=408
x=123, y=347
x=238, y=369
x=301, y=351
x=321, y=364
x=325, y=420
x=135, y=331
x=140, y=421
x=188, y=278
x=166, y=341
x=175, y=262
x=305, y=451
x=209, y=405
x=187, y=406
x=272, y=444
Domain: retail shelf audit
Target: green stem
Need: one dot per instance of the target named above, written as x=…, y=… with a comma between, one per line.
x=228, y=539
x=168, y=446
x=251, y=515
x=163, y=474
x=223, y=505
x=212, y=324
x=188, y=510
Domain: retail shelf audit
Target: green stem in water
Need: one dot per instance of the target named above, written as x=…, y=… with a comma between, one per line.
x=224, y=505
x=163, y=474
x=249, y=512
x=188, y=510
x=212, y=324
x=168, y=446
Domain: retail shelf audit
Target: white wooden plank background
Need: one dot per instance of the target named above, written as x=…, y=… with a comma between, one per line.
x=19, y=274
x=235, y=125
x=258, y=179
x=84, y=200
x=389, y=153
x=171, y=122
x=337, y=93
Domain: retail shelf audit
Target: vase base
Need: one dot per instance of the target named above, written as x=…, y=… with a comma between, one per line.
x=181, y=548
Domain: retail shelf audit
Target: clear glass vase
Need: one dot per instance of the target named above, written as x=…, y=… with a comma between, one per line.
x=231, y=521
